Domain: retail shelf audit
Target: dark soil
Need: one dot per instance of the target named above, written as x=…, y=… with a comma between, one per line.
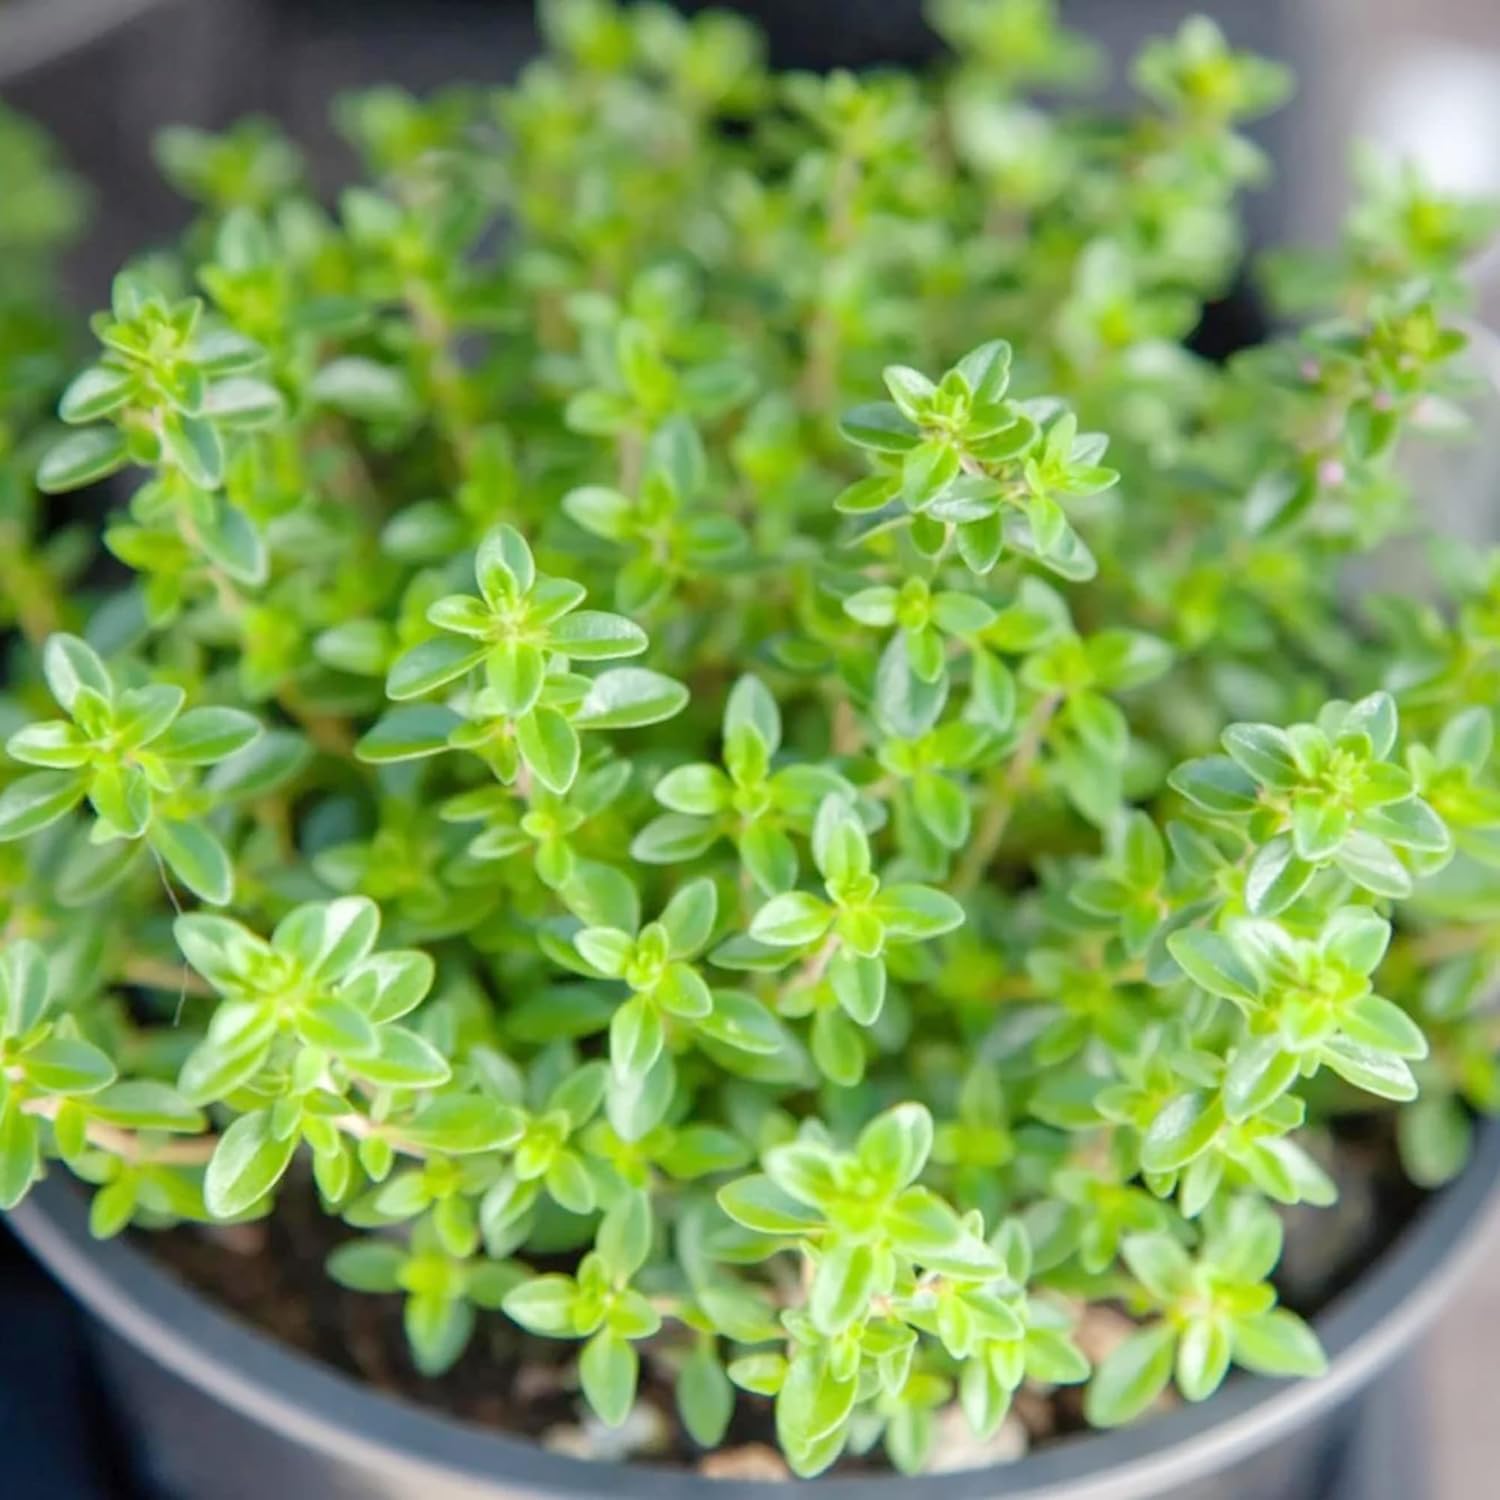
x=271, y=1275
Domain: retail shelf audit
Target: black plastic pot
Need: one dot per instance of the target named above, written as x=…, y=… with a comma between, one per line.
x=36, y=33
x=217, y=1411
x=103, y=76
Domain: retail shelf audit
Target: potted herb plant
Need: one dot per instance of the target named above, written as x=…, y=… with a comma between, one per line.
x=731, y=782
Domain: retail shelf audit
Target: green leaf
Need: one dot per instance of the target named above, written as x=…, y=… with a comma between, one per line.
x=462, y=614
x=1160, y=1264
x=403, y=1060
x=770, y=858
x=673, y=839
x=33, y=802
x=879, y=426
x=699, y=790
x=607, y=1371
x=895, y=1145
x=55, y=744
x=225, y=351
x=927, y=471
x=202, y=736
x=1318, y=827
x=229, y=539
x=464, y=1124
x=791, y=920
x=194, y=446
x=1436, y=1137
x=986, y=371
x=1374, y=1021
x=1217, y=785
x=121, y=796
x=1052, y=1358
x=263, y=766
x=1265, y=752
x=67, y=1065
x=20, y=1154
x=1380, y=1073
x=1180, y=1130
x=360, y=647
x=604, y=512
x=328, y=938
x=636, y=1037
x=145, y=1104
x=813, y=1404
x=689, y=917
x=515, y=670
x=362, y=388
x=1357, y=937
x=751, y=706
x=432, y=664
x=549, y=745
x=114, y=1206
x=569, y=1184
x=543, y=1305
x=196, y=857
x=1409, y=824
x=1277, y=1342
x=911, y=390
x=1276, y=877
x=143, y=715
x=23, y=986
x=943, y=806
x=628, y=698
x=410, y=732
x=1260, y=1071
x=705, y=1398
x=71, y=665
x=592, y=635
x=859, y=985
x=504, y=567
x=1131, y=1377
x=247, y=1164
x=369, y=1265
x=872, y=493
x=918, y=912
x=624, y=1238
x=1211, y=961
x=607, y=949
x=1202, y=1357
x=760, y=1204
x=847, y=1277
x=95, y=392
x=438, y=1329
x=838, y=1048
x=81, y=458
x=740, y=1021
x=243, y=401
x=1373, y=865
x=223, y=951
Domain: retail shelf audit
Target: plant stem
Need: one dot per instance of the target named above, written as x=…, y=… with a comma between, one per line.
x=156, y=974
x=813, y=970
x=192, y=1151
x=127, y=1144
x=445, y=375
x=1447, y=942
x=820, y=375
x=996, y=817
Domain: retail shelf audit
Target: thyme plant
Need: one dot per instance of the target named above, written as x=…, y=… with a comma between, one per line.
x=722, y=741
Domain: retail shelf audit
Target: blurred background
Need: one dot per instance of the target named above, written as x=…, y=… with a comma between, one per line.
x=1416, y=78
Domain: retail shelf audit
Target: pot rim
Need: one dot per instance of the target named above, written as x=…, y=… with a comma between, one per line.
x=310, y=1403
x=36, y=33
